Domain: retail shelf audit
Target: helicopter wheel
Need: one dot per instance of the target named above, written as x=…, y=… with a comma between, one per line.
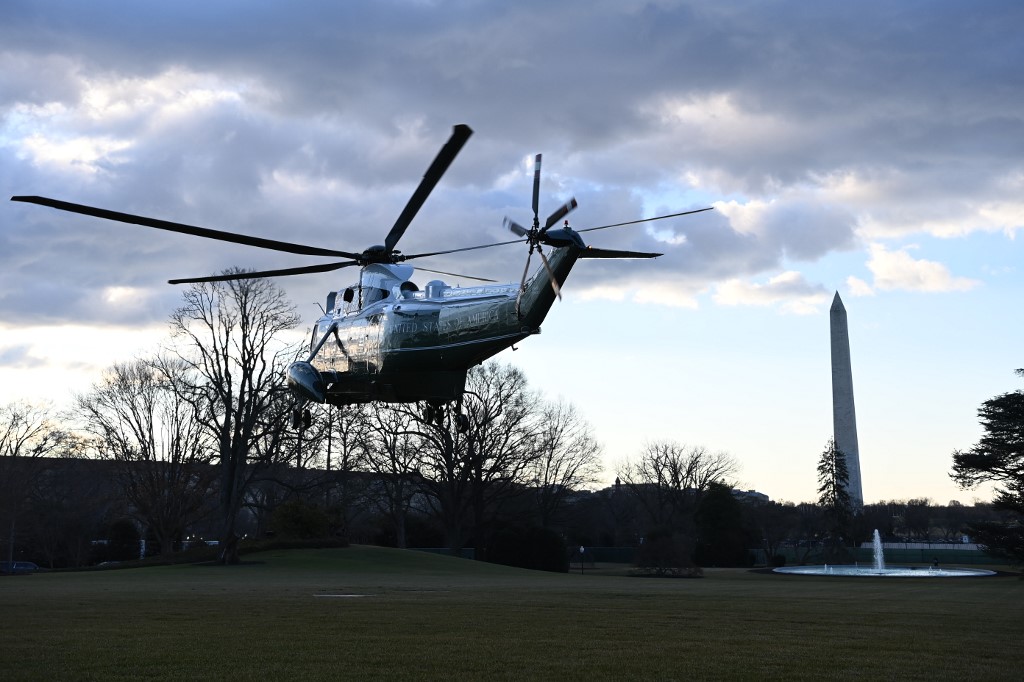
x=301, y=419
x=461, y=422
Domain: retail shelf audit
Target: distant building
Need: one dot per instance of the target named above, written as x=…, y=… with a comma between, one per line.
x=751, y=496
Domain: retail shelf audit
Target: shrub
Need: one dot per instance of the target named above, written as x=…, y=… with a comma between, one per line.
x=529, y=547
x=123, y=541
x=299, y=520
x=665, y=553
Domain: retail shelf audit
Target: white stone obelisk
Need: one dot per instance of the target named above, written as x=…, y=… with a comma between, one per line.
x=844, y=416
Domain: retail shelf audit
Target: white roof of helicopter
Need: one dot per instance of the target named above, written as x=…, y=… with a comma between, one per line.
x=385, y=277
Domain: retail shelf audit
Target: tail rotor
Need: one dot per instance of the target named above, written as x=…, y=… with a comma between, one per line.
x=535, y=236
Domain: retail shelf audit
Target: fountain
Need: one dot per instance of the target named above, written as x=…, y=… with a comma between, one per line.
x=879, y=569
x=879, y=554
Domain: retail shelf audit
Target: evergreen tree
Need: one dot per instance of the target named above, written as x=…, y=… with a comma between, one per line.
x=833, y=495
x=998, y=457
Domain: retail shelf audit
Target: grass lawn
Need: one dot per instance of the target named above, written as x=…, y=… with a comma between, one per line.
x=373, y=613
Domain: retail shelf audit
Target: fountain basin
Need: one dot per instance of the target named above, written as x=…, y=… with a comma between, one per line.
x=894, y=572
x=879, y=570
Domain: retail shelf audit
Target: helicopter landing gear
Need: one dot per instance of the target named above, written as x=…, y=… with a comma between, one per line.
x=461, y=420
x=433, y=413
x=302, y=419
x=437, y=413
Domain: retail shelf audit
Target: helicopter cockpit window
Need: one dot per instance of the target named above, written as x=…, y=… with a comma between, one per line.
x=373, y=294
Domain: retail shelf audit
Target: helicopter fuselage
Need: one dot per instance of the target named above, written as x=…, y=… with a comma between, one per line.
x=407, y=344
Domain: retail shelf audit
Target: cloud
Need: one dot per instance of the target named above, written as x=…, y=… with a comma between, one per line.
x=898, y=270
x=19, y=356
x=859, y=287
x=944, y=201
x=789, y=290
x=664, y=294
x=316, y=124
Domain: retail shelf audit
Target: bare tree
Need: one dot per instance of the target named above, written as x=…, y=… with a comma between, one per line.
x=136, y=419
x=344, y=455
x=27, y=434
x=390, y=450
x=284, y=463
x=231, y=333
x=567, y=457
x=444, y=473
x=917, y=518
x=774, y=522
x=668, y=479
x=468, y=474
x=500, y=445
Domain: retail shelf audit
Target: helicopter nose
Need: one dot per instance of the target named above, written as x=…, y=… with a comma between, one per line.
x=304, y=380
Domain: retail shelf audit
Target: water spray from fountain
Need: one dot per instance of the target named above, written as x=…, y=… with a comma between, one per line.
x=876, y=545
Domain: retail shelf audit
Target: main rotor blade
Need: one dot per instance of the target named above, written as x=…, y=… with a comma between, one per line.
x=591, y=252
x=515, y=228
x=536, y=188
x=285, y=272
x=465, y=248
x=647, y=220
x=205, y=232
x=551, y=273
x=522, y=282
x=455, y=274
x=560, y=213
x=460, y=134
x=526, y=271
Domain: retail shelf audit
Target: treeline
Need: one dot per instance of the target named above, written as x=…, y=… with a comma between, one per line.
x=193, y=444
x=379, y=474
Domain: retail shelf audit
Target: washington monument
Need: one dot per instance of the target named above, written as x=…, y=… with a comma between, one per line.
x=844, y=416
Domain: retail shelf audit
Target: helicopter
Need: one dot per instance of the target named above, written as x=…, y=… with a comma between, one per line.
x=383, y=338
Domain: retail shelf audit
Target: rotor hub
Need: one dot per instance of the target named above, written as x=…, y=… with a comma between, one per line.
x=379, y=253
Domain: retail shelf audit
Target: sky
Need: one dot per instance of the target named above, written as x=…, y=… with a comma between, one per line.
x=872, y=148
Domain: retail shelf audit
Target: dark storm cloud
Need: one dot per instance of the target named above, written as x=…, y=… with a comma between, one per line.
x=313, y=122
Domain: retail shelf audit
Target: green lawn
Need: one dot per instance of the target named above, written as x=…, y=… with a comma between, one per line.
x=371, y=613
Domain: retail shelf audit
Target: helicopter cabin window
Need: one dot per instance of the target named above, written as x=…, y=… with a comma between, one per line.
x=349, y=297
